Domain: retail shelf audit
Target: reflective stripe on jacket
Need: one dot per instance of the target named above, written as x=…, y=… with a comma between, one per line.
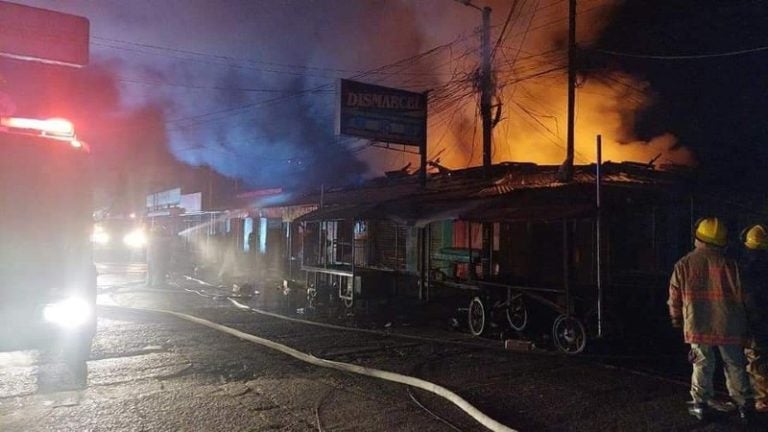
x=705, y=291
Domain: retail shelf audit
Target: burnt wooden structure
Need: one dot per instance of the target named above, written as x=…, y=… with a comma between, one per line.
x=542, y=236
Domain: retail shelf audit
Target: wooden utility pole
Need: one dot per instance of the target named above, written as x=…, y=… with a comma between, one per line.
x=599, y=235
x=486, y=93
x=423, y=147
x=486, y=90
x=567, y=168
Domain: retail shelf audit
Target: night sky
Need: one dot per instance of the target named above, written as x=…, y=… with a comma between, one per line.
x=246, y=87
x=717, y=106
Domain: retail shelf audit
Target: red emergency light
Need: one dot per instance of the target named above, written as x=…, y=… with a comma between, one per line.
x=56, y=128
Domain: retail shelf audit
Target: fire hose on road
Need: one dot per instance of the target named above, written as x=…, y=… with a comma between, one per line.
x=436, y=389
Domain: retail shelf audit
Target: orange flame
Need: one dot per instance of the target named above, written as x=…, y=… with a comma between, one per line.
x=531, y=79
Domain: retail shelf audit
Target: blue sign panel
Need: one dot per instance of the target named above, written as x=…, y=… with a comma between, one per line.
x=382, y=113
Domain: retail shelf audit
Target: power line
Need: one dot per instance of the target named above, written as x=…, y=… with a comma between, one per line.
x=504, y=27
x=202, y=87
x=201, y=118
x=542, y=125
x=522, y=41
x=561, y=19
x=681, y=57
x=536, y=75
x=230, y=64
x=446, y=129
x=231, y=61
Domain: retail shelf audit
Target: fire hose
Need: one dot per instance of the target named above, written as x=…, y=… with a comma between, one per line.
x=436, y=389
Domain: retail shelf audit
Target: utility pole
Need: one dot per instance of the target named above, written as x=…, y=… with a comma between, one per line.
x=486, y=83
x=486, y=95
x=566, y=173
x=566, y=170
x=486, y=90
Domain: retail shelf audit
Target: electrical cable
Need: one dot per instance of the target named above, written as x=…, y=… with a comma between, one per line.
x=504, y=27
x=230, y=60
x=201, y=118
x=680, y=57
x=201, y=87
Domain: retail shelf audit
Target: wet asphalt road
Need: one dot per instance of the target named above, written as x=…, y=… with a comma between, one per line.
x=152, y=372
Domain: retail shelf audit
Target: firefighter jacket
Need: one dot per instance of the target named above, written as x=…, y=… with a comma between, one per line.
x=754, y=276
x=706, y=293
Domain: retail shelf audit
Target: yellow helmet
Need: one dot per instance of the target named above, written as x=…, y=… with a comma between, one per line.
x=712, y=230
x=756, y=237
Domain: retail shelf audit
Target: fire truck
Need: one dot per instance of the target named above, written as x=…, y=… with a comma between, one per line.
x=47, y=275
x=120, y=244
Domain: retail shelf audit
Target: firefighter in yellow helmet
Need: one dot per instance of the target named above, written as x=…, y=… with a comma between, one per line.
x=706, y=300
x=754, y=272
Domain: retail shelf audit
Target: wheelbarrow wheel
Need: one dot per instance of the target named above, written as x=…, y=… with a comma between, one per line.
x=517, y=314
x=476, y=316
x=569, y=335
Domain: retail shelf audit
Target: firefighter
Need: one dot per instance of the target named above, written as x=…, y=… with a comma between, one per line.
x=706, y=300
x=754, y=271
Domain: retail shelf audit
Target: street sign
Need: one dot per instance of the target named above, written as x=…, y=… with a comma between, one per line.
x=382, y=113
x=41, y=35
x=165, y=199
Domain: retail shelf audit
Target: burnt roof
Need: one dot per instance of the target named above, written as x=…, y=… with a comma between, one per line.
x=471, y=193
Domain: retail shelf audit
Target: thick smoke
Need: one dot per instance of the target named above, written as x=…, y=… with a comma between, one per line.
x=253, y=93
x=128, y=144
x=247, y=87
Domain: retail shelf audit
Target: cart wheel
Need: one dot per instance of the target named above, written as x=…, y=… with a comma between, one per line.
x=569, y=335
x=517, y=314
x=476, y=316
x=348, y=303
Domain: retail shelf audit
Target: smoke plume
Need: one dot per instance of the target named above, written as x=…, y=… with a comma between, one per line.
x=248, y=88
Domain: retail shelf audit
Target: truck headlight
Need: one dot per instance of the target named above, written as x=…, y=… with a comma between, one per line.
x=68, y=313
x=100, y=236
x=135, y=239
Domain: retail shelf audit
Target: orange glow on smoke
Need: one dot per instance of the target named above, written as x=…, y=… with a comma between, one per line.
x=535, y=126
x=532, y=90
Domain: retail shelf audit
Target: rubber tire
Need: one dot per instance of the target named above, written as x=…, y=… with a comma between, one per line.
x=512, y=322
x=477, y=306
x=576, y=331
